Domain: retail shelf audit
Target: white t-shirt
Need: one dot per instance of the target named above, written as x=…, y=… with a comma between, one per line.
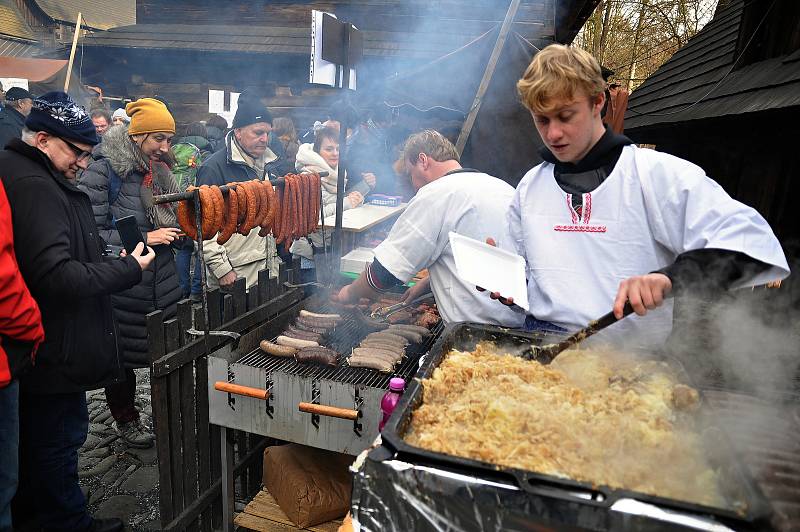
x=470, y=203
x=650, y=209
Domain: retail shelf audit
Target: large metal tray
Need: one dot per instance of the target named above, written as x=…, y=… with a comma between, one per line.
x=568, y=499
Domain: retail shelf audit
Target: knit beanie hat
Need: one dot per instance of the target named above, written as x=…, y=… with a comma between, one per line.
x=149, y=115
x=250, y=111
x=56, y=113
x=120, y=113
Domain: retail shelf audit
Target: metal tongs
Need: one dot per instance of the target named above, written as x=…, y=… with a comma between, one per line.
x=546, y=353
x=384, y=312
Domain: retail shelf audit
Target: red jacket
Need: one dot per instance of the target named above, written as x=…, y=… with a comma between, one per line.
x=21, y=329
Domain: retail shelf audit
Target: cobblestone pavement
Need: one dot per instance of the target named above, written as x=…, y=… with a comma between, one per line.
x=120, y=481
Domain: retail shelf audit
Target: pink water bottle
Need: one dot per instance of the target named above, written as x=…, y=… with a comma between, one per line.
x=391, y=398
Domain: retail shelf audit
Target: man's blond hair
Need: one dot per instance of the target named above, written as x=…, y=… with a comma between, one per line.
x=431, y=143
x=559, y=74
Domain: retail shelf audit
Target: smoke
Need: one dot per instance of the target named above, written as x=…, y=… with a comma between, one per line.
x=747, y=341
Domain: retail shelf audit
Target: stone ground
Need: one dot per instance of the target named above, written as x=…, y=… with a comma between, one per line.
x=119, y=481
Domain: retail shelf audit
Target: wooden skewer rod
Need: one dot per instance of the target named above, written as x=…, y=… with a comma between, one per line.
x=331, y=411
x=238, y=389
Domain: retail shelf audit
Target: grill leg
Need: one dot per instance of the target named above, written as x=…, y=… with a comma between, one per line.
x=226, y=454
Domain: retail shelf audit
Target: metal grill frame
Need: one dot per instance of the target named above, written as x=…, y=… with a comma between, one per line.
x=290, y=382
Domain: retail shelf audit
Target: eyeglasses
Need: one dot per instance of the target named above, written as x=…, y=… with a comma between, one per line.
x=82, y=155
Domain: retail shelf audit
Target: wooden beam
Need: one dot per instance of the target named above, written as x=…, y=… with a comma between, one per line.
x=72, y=53
x=466, y=129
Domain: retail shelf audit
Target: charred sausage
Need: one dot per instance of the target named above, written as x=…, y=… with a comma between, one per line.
x=320, y=355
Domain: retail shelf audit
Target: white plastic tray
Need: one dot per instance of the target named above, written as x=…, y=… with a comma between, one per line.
x=490, y=267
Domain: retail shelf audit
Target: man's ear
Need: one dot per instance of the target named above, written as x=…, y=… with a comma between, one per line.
x=598, y=101
x=42, y=139
x=423, y=159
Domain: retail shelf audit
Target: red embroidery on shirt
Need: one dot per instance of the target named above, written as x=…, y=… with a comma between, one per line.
x=580, y=218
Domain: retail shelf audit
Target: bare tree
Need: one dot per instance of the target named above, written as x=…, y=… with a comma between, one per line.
x=635, y=37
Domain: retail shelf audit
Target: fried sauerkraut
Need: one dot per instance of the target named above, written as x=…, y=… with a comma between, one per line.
x=591, y=416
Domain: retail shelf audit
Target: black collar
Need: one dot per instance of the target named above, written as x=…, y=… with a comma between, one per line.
x=461, y=171
x=605, y=151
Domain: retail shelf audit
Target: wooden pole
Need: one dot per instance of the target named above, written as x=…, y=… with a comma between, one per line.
x=72, y=52
x=466, y=129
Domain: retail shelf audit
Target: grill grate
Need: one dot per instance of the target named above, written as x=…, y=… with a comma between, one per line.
x=343, y=339
x=768, y=440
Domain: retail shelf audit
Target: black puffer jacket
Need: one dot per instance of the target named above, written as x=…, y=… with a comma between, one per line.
x=59, y=255
x=159, y=288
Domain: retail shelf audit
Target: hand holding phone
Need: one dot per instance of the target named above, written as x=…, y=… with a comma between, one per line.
x=129, y=233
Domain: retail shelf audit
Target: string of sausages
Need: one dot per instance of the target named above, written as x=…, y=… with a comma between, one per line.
x=288, y=213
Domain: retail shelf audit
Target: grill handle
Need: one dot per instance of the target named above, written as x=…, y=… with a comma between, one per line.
x=238, y=389
x=331, y=411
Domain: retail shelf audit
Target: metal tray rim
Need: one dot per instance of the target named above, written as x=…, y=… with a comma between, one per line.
x=758, y=508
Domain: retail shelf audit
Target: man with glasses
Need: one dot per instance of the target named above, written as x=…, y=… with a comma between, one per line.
x=58, y=251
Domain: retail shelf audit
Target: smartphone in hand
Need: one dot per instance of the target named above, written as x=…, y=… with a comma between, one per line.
x=129, y=233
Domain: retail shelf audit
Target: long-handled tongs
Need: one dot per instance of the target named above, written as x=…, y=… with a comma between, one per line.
x=384, y=312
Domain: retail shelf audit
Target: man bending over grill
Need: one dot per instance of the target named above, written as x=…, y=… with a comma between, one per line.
x=448, y=198
x=601, y=221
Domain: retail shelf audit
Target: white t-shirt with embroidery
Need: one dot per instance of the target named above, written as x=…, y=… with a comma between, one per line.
x=470, y=203
x=650, y=209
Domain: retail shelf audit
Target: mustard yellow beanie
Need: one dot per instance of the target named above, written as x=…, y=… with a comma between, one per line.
x=149, y=115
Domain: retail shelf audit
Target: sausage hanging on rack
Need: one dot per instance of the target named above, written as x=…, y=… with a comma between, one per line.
x=219, y=209
x=208, y=211
x=231, y=217
x=263, y=207
x=247, y=225
x=187, y=216
x=278, y=222
x=269, y=217
x=242, y=199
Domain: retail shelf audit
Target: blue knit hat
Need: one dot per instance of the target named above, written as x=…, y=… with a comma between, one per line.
x=56, y=113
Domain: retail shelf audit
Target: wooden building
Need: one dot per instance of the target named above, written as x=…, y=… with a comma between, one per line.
x=179, y=49
x=729, y=101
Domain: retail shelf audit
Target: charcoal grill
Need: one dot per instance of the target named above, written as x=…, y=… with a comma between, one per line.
x=401, y=487
x=334, y=408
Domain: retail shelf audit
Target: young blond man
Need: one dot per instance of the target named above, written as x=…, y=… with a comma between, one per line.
x=601, y=221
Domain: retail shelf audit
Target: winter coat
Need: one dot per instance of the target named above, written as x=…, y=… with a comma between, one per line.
x=21, y=329
x=11, y=124
x=216, y=138
x=159, y=288
x=59, y=255
x=245, y=255
x=310, y=161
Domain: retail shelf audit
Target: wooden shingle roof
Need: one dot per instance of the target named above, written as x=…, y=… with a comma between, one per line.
x=98, y=15
x=702, y=79
x=12, y=23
